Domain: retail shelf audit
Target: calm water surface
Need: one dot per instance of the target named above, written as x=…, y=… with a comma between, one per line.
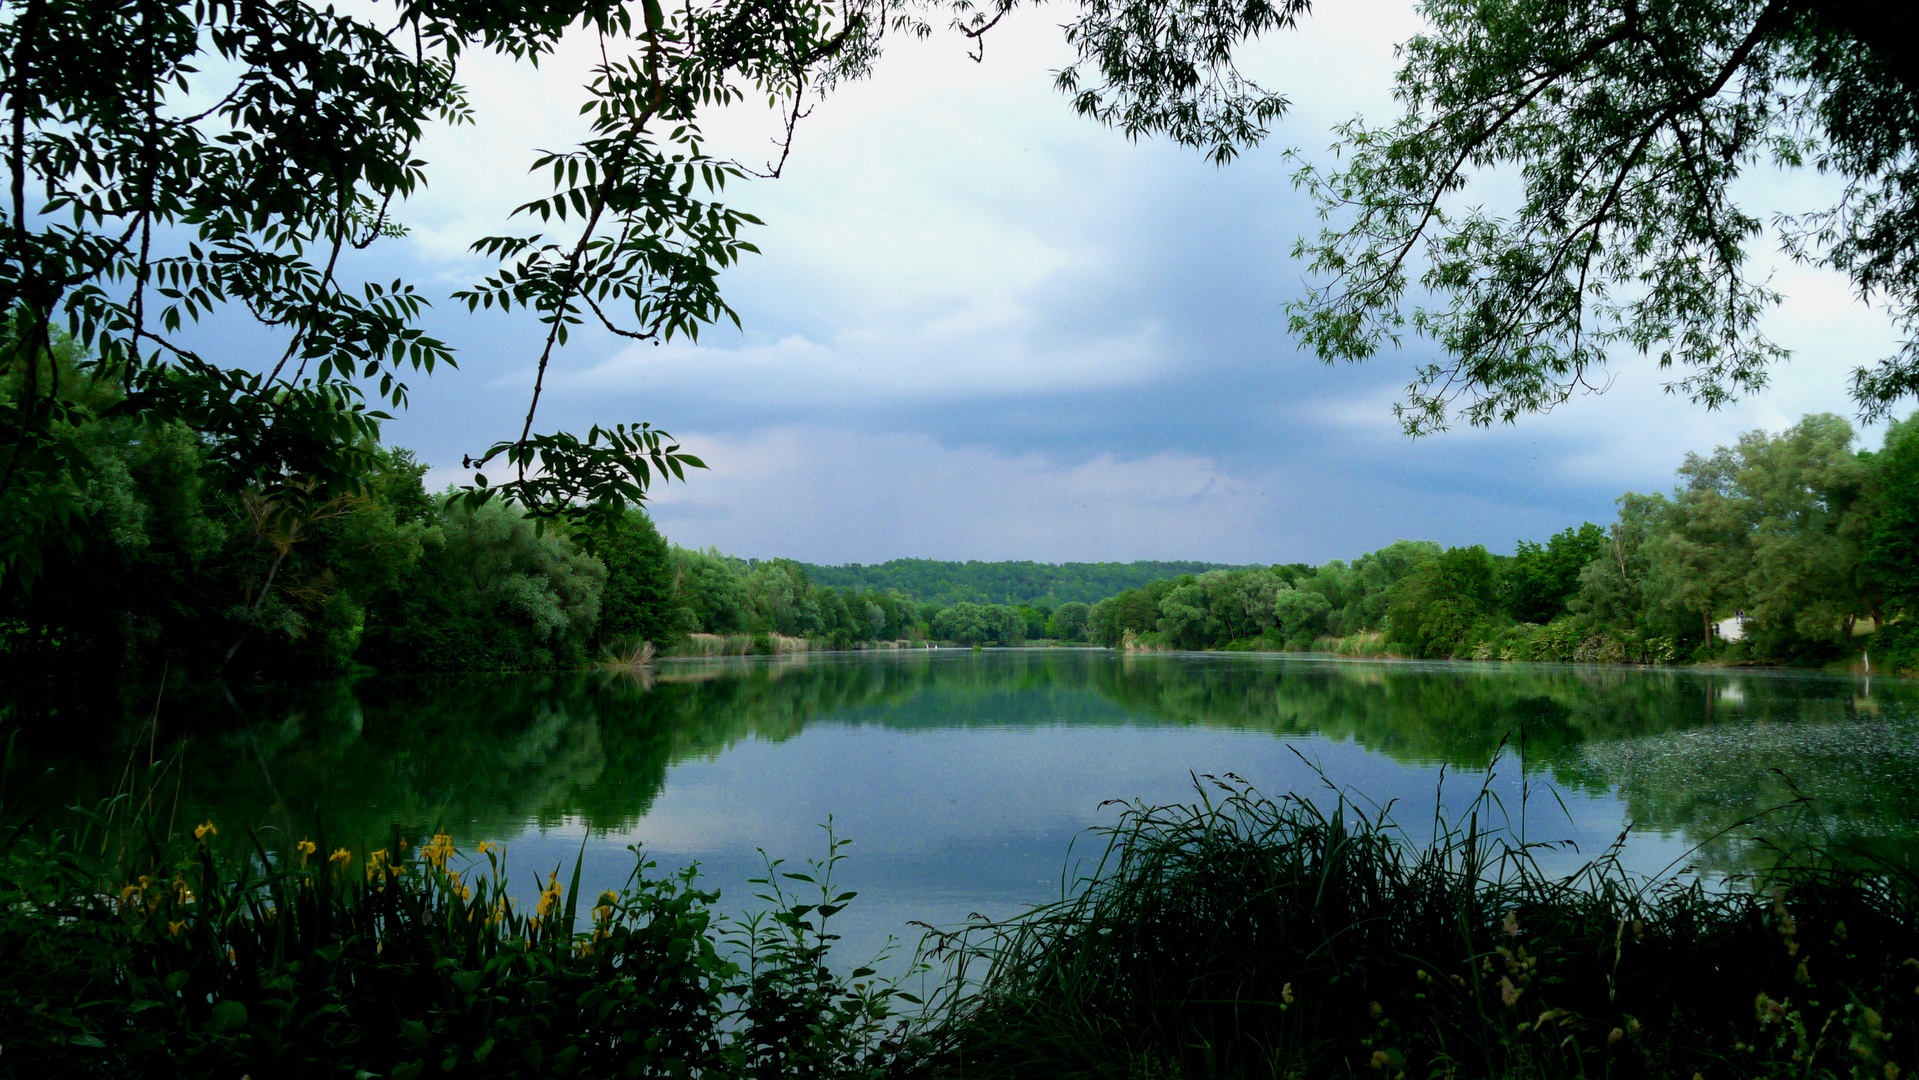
x=962, y=778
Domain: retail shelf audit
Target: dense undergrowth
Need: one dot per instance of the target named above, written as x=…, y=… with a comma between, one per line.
x=1236, y=936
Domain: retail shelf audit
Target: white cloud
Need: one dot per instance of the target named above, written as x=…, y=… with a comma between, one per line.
x=833, y=496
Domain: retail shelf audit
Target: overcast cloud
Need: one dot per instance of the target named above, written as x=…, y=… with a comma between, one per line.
x=984, y=328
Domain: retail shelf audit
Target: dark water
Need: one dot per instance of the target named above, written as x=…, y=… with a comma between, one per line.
x=962, y=778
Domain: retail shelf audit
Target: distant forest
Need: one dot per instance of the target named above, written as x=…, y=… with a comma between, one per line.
x=1022, y=583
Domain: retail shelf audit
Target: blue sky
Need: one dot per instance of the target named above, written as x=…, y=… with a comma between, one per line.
x=982, y=327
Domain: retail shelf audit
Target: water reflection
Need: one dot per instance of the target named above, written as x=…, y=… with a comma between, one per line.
x=963, y=777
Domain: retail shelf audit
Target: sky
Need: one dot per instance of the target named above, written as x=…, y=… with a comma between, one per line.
x=982, y=327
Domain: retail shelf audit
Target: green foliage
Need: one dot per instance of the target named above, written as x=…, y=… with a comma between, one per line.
x=1443, y=607
x=1069, y=621
x=974, y=624
x=1892, y=544
x=1627, y=130
x=636, y=603
x=491, y=591
x=1536, y=584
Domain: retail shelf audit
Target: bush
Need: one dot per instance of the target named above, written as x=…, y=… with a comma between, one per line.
x=1895, y=647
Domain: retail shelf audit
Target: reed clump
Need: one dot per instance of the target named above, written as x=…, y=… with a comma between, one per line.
x=1241, y=936
x=626, y=654
x=1365, y=644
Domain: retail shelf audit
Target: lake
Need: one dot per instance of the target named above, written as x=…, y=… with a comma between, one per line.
x=963, y=778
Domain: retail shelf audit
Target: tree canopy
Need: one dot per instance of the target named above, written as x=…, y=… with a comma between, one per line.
x=1628, y=125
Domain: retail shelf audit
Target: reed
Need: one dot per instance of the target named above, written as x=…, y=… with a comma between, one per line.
x=1370, y=645
x=622, y=654
x=1240, y=936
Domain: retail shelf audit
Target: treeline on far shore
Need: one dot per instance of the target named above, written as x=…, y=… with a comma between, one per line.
x=167, y=571
x=1792, y=548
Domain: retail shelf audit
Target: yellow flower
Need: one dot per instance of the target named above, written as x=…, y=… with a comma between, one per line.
x=438, y=851
x=340, y=855
x=378, y=863
x=201, y=832
x=550, y=896
x=175, y=929
x=305, y=848
x=486, y=846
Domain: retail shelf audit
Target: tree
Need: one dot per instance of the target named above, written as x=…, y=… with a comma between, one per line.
x=1535, y=586
x=1069, y=622
x=1627, y=126
x=172, y=162
x=1892, y=547
x=490, y=592
x=1612, y=587
x=1441, y=603
x=637, y=601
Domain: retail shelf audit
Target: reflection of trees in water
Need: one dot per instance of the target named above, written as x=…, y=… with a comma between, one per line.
x=484, y=754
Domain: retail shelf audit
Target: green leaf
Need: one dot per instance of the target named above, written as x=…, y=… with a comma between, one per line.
x=228, y=1016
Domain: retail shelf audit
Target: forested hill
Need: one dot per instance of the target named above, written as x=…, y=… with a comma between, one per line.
x=937, y=582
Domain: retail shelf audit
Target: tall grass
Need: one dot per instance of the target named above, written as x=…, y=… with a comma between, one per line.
x=1241, y=936
x=628, y=654
x=739, y=645
x=1364, y=644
